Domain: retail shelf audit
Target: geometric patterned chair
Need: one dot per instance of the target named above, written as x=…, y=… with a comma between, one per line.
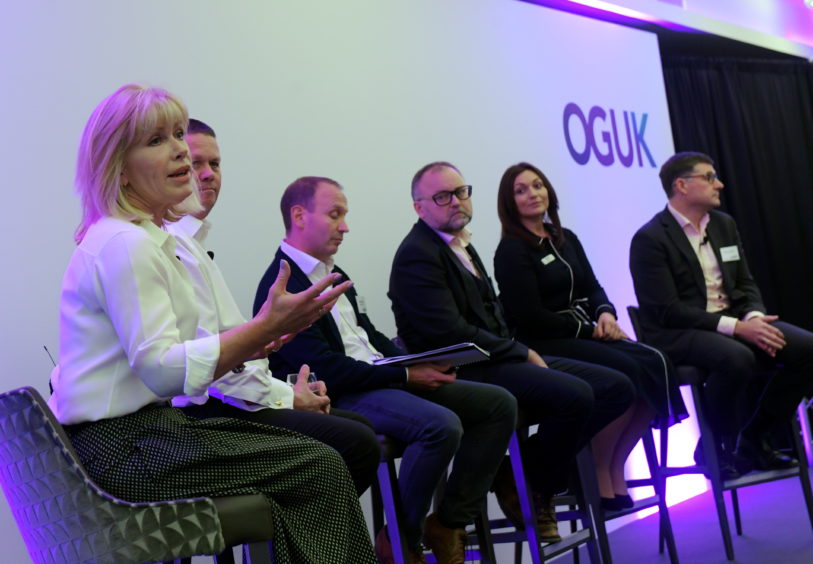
x=64, y=517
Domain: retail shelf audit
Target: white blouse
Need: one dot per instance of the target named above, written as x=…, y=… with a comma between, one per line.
x=128, y=326
x=253, y=387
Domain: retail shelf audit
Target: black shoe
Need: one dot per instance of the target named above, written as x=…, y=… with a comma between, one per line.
x=506, y=492
x=610, y=504
x=762, y=455
x=730, y=467
x=624, y=501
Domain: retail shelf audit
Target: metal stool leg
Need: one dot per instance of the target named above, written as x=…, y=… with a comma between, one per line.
x=664, y=463
x=659, y=485
x=484, y=540
x=525, y=501
x=713, y=469
x=599, y=547
x=258, y=553
x=387, y=487
x=225, y=557
x=804, y=422
x=804, y=474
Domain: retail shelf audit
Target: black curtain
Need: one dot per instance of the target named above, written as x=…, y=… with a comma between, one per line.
x=755, y=119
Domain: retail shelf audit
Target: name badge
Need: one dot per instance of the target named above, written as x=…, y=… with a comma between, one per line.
x=362, y=303
x=730, y=254
x=547, y=259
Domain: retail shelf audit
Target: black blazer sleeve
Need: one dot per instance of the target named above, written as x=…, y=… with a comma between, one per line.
x=665, y=282
x=669, y=281
x=433, y=304
x=321, y=348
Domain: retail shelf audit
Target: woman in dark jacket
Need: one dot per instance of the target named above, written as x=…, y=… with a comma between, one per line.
x=557, y=307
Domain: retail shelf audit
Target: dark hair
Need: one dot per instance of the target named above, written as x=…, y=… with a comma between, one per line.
x=509, y=215
x=679, y=165
x=300, y=193
x=197, y=126
x=426, y=168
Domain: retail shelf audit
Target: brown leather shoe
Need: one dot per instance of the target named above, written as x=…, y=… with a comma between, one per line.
x=546, y=519
x=383, y=550
x=506, y=492
x=448, y=545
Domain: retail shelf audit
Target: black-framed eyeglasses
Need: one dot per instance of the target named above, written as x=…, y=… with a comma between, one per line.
x=444, y=198
x=709, y=177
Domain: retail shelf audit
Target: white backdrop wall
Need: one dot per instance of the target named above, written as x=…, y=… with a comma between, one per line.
x=364, y=91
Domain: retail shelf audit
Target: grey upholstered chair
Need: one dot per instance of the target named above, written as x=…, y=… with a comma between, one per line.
x=65, y=518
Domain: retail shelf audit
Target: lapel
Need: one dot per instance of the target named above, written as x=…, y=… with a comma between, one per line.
x=351, y=292
x=326, y=322
x=681, y=242
x=717, y=238
x=472, y=296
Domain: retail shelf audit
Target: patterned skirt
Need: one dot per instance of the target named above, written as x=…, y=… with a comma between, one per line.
x=159, y=453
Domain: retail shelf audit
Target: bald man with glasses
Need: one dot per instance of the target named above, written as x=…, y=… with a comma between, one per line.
x=699, y=304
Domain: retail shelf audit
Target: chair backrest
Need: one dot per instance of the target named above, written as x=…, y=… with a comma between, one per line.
x=635, y=319
x=64, y=517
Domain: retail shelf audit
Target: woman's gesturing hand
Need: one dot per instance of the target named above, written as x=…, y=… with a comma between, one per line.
x=285, y=313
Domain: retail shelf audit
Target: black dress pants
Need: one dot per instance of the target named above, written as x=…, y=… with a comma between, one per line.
x=734, y=392
x=350, y=434
x=571, y=401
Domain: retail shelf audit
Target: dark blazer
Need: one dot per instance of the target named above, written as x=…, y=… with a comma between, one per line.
x=540, y=284
x=436, y=301
x=669, y=281
x=321, y=347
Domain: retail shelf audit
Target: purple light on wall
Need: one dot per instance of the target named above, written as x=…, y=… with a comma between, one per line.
x=607, y=11
x=620, y=10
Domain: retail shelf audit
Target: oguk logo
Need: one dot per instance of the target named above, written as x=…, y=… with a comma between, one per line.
x=593, y=134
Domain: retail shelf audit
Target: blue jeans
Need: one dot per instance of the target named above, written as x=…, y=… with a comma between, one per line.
x=465, y=421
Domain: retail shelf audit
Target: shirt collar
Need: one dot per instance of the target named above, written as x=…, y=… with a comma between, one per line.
x=463, y=238
x=196, y=228
x=303, y=260
x=159, y=236
x=683, y=221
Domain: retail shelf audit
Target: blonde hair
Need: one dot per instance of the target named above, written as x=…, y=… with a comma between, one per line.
x=112, y=129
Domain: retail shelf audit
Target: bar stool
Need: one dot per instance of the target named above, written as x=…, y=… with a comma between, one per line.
x=695, y=377
x=583, y=506
x=386, y=497
x=656, y=480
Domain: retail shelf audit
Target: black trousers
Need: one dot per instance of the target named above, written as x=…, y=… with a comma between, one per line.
x=348, y=433
x=735, y=392
x=571, y=401
x=650, y=370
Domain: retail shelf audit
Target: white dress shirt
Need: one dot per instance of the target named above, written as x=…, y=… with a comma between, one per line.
x=254, y=387
x=355, y=339
x=128, y=325
x=458, y=244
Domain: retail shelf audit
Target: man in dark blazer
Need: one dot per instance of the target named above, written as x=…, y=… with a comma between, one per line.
x=438, y=417
x=699, y=304
x=441, y=294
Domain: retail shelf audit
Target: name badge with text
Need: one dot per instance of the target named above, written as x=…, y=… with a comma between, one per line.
x=730, y=254
x=362, y=303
